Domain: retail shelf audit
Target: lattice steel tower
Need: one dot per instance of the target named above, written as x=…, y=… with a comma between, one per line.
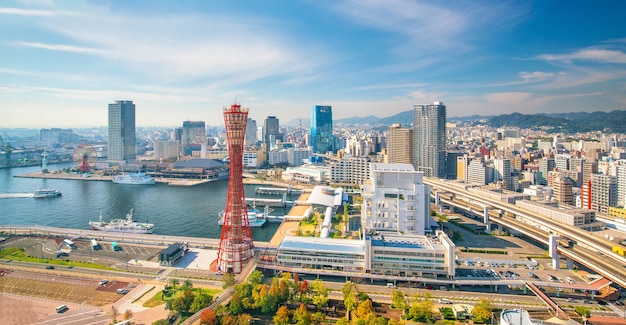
x=236, y=246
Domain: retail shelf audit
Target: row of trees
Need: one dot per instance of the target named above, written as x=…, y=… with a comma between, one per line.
x=420, y=308
x=288, y=300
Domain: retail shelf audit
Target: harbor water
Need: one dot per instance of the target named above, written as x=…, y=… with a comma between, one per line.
x=174, y=210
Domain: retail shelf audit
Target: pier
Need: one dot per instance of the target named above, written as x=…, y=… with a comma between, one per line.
x=280, y=203
x=277, y=190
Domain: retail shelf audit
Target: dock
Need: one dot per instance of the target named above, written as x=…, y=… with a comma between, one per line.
x=277, y=190
x=280, y=203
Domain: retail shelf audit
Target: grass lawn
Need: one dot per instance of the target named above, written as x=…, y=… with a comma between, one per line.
x=159, y=298
x=17, y=254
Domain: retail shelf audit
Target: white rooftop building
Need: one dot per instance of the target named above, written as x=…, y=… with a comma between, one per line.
x=395, y=199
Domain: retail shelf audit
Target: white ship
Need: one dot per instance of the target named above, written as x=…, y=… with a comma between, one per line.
x=122, y=225
x=134, y=179
x=255, y=217
x=44, y=192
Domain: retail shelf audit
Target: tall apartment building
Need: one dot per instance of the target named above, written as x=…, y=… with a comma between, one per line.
x=122, y=139
x=603, y=192
x=429, y=142
x=251, y=130
x=502, y=172
x=545, y=165
x=395, y=199
x=561, y=162
x=562, y=189
x=194, y=136
x=166, y=149
x=399, y=145
x=321, y=132
x=590, y=167
x=477, y=172
x=621, y=185
x=350, y=170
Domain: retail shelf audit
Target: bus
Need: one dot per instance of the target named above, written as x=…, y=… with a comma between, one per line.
x=116, y=247
x=94, y=245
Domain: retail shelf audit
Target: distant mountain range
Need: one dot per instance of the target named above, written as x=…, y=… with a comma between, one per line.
x=614, y=121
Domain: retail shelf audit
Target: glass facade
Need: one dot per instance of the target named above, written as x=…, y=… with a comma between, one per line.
x=122, y=138
x=321, y=138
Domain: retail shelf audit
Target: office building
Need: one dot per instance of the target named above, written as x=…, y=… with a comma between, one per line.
x=477, y=172
x=462, y=164
x=193, y=137
x=55, y=137
x=399, y=145
x=321, y=133
x=166, y=150
x=562, y=187
x=545, y=165
x=251, y=130
x=502, y=173
x=122, y=138
x=271, y=133
x=395, y=199
x=429, y=144
x=621, y=185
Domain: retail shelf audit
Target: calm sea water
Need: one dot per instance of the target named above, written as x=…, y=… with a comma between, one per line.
x=178, y=211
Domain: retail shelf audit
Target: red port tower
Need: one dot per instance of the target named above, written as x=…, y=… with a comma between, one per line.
x=236, y=246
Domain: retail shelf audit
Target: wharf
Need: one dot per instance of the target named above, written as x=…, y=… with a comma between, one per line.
x=97, y=177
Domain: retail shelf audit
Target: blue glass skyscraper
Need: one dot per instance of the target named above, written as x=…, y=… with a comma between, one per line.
x=322, y=139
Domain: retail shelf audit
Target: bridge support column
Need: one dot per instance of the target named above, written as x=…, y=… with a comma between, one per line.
x=495, y=288
x=552, y=242
x=438, y=202
x=569, y=263
x=486, y=219
x=524, y=290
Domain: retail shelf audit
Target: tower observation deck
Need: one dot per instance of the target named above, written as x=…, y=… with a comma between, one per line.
x=236, y=246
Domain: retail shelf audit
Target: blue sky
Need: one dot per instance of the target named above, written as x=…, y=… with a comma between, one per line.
x=62, y=62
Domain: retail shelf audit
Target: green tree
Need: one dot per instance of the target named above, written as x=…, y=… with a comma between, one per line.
x=482, y=311
x=342, y=321
x=256, y=277
x=282, y=316
x=350, y=297
x=302, y=315
x=200, y=300
x=187, y=284
x=421, y=311
x=161, y=322
x=399, y=299
x=229, y=280
x=583, y=311
x=235, y=306
x=318, y=318
x=173, y=283
x=320, y=293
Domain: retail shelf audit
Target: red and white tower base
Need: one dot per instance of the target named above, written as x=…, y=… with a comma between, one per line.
x=236, y=246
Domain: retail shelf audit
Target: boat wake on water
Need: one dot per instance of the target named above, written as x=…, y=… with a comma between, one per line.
x=15, y=195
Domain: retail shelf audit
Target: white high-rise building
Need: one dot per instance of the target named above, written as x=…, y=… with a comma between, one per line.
x=395, y=199
x=621, y=185
x=502, y=172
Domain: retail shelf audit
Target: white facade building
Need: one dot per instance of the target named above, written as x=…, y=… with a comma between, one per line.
x=395, y=199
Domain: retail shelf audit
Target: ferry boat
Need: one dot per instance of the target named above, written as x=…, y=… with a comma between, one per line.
x=122, y=225
x=134, y=179
x=45, y=192
x=255, y=217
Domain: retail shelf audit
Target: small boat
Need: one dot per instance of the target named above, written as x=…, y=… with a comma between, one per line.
x=45, y=192
x=256, y=218
x=122, y=225
x=134, y=179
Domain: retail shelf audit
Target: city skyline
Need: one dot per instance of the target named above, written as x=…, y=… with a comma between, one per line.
x=62, y=63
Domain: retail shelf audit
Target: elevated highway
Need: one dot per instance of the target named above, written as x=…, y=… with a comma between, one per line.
x=590, y=250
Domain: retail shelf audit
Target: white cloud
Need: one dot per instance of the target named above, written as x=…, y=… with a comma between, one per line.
x=536, y=75
x=588, y=54
x=61, y=47
x=25, y=12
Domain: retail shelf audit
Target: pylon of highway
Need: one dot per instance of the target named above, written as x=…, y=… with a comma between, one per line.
x=236, y=245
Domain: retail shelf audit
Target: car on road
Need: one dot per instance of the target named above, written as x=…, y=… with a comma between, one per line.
x=62, y=309
x=619, y=303
x=49, y=267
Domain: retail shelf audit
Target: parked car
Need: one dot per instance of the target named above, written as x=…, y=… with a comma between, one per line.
x=103, y=282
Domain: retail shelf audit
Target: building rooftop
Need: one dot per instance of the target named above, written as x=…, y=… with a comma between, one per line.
x=315, y=244
x=200, y=163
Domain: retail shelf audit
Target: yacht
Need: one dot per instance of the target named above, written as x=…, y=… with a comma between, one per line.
x=122, y=225
x=45, y=192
